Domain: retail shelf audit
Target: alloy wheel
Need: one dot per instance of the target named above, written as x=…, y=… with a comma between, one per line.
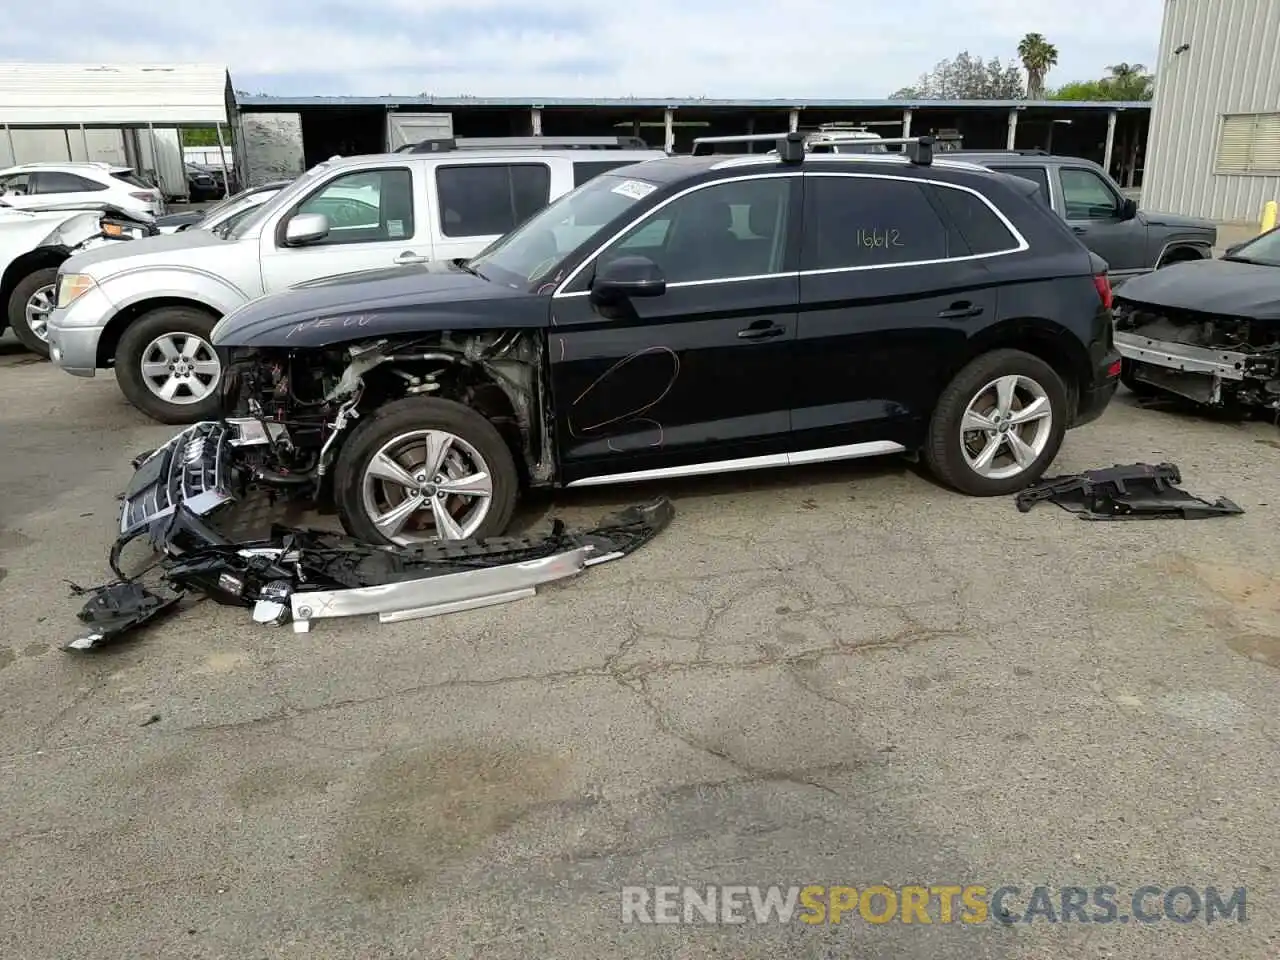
x=427, y=485
x=39, y=306
x=180, y=368
x=1006, y=427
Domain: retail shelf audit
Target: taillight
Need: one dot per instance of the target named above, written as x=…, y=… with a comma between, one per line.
x=145, y=195
x=1103, y=284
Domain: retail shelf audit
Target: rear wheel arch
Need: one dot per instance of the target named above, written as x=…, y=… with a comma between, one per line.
x=1051, y=342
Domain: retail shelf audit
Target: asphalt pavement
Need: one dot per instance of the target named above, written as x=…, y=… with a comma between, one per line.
x=836, y=676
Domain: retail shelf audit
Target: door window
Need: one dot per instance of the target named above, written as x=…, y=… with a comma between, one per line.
x=1086, y=196
x=368, y=206
x=16, y=184
x=485, y=200
x=722, y=232
x=55, y=181
x=869, y=222
x=1036, y=175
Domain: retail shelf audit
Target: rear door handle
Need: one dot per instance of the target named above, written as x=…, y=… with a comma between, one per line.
x=960, y=311
x=410, y=257
x=1079, y=229
x=761, y=333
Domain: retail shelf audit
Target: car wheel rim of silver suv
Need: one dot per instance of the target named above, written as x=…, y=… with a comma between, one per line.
x=39, y=306
x=427, y=485
x=180, y=368
x=1006, y=427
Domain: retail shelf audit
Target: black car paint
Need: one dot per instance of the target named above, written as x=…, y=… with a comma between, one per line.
x=683, y=378
x=1222, y=287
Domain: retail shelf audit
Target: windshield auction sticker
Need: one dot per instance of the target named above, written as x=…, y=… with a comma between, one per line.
x=635, y=189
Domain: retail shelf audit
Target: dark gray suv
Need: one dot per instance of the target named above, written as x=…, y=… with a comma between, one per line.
x=1132, y=241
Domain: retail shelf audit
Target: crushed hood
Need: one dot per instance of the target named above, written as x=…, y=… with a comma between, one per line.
x=1221, y=287
x=411, y=299
x=144, y=252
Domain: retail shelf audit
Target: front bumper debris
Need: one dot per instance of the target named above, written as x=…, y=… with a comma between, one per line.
x=305, y=575
x=1139, y=491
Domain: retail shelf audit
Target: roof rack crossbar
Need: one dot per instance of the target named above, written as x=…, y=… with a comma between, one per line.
x=449, y=144
x=791, y=145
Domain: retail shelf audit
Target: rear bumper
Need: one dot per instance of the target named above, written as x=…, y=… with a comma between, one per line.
x=1097, y=395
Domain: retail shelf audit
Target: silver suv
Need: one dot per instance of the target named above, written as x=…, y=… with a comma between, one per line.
x=147, y=307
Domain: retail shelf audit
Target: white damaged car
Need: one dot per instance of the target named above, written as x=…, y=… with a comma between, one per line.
x=35, y=241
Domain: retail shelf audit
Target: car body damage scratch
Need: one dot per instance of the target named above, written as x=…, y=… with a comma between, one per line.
x=634, y=416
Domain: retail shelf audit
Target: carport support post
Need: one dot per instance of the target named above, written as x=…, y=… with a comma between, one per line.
x=84, y=139
x=1012, y=138
x=793, y=121
x=222, y=154
x=906, y=123
x=669, y=130
x=1111, y=141
x=13, y=154
x=535, y=120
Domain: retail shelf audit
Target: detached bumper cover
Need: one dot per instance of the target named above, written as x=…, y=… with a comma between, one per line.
x=304, y=575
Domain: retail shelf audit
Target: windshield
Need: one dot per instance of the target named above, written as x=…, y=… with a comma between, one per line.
x=531, y=250
x=1264, y=249
x=285, y=197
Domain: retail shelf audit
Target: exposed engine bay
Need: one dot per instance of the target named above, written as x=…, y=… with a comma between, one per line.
x=297, y=404
x=1219, y=361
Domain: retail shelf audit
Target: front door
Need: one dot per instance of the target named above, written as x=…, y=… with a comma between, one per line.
x=685, y=381
x=892, y=284
x=377, y=218
x=1093, y=210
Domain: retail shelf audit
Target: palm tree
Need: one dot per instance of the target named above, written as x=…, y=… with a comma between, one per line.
x=1130, y=81
x=1038, y=56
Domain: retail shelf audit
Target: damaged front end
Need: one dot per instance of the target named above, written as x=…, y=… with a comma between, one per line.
x=1211, y=359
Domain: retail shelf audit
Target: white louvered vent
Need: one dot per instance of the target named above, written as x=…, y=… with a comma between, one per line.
x=1249, y=143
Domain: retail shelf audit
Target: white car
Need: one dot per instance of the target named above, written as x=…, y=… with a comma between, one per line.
x=147, y=308
x=38, y=184
x=34, y=242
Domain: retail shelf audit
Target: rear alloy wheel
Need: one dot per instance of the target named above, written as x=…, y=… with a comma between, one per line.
x=425, y=469
x=29, y=305
x=998, y=424
x=167, y=367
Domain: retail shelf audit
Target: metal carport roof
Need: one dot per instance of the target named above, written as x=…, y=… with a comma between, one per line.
x=71, y=94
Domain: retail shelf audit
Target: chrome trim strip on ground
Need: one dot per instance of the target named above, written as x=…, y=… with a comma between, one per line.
x=1226, y=364
x=848, y=451
x=467, y=587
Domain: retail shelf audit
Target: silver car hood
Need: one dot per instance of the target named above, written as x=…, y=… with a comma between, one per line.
x=126, y=256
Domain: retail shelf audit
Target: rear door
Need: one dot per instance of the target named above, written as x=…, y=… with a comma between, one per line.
x=68, y=187
x=890, y=289
x=475, y=202
x=377, y=218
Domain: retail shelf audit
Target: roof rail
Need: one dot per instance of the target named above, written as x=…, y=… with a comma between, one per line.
x=1030, y=152
x=791, y=147
x=448, y=144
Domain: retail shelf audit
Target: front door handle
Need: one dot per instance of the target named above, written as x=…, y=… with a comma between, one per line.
x=764, y=332
x=960, y=311
x=410, y=257
x=1079, y=229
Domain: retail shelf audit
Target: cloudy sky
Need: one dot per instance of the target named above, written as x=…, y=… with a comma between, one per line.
x=656, y=48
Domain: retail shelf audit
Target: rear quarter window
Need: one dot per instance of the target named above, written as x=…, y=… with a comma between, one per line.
x=982, y=229
x=133, y=180
x=584, y=170
x=1037, y=175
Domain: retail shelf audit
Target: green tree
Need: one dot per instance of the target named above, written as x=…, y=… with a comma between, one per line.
x=1130, y=81
x=966, y=77
x=1038, y=56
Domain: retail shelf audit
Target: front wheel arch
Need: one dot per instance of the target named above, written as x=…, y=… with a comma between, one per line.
x=1181, y=253
x=109, y=342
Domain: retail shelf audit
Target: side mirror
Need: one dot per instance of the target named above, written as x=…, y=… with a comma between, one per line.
x=306, y=228
x=628, y=277
x=1128, y=208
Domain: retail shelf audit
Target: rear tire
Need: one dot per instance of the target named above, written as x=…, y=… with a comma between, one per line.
x=175, y=346
x=37, y=289
x=1014, y=394
x=407, y=433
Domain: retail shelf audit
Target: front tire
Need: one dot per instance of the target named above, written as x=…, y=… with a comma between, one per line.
x=29, y=307
x=998, y=424
x=423, y=469
x=166, y=365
